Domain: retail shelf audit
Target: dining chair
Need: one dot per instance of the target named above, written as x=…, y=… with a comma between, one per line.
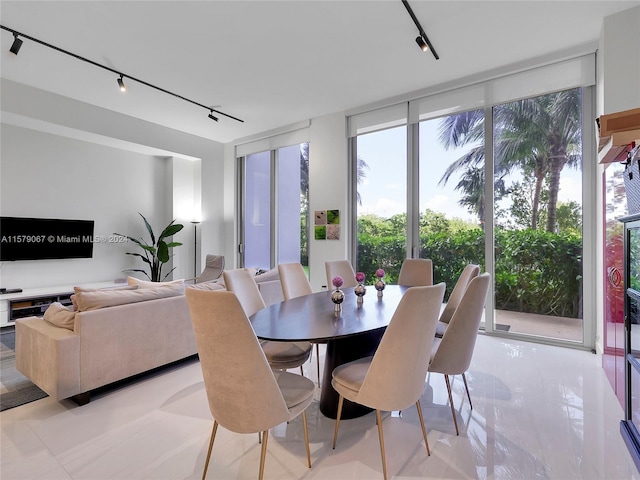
x=393, y=378
x=416, y=272
x=468, y=273
x=281, y=355
x=295, y=283
x=451, y=355
x=244, y=394
x=342, y=268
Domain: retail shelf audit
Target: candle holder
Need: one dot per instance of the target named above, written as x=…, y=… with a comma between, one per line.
x=380, y=282
x=337, y=297
x=360, y=290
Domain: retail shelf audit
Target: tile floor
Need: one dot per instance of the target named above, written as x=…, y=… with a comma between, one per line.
x=538, y=412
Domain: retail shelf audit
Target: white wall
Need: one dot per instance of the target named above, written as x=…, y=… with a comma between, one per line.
x=137, y=163
x=45, y=175
x=328, y=187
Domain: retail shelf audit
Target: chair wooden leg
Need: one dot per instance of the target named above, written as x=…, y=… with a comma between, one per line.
x=259, y=437
x=335, y=432
x=381, y=437
x=318, y=362
x=466, y=387
x=213, y=436
x=424, y=430
x=306, y=437
x=263, y=453
x=453, y=410
x=301, y=371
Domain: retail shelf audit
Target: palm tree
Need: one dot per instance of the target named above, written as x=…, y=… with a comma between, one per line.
x=540, y=134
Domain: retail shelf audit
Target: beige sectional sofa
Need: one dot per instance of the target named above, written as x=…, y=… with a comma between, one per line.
x=113, y=334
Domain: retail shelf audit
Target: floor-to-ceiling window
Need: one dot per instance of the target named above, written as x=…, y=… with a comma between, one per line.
x=451, y=212
x=381, y=201
x=274, y=207
x=525, y=225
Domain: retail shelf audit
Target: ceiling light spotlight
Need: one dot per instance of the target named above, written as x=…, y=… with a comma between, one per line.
x=123, y=87
x=421, y=43
x=17, y=43
x=215, y=119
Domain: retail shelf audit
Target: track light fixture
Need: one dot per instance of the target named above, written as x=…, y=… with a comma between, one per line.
x=15, y=46
x=17, y=43
x=421, y=43
x=422, y=40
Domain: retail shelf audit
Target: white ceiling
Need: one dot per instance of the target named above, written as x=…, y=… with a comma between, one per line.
x=274, y=63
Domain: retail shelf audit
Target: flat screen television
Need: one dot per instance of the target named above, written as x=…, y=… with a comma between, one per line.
x=45, y=238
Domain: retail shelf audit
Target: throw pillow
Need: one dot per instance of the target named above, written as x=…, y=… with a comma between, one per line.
x=207, y=286
x=119, y=287
x=147, y=284
x=60, y=316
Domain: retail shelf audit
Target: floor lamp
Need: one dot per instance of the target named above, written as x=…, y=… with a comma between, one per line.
x=195, y=250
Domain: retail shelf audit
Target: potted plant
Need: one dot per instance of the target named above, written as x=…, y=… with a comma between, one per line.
x=156, y=253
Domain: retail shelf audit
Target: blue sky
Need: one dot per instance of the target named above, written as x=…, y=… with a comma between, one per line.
x=383, y=192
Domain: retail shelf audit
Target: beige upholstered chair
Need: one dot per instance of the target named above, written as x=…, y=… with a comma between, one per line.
x=342, y=268
x=294, y=280
x=281, y=355
x=393, y=379
x=295, y=283
x=469, y=273
x=451, y=355
x=245, y=395
x=416, y=272
x=214, y=265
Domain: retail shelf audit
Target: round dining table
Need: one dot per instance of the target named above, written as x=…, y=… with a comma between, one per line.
x=352, y=334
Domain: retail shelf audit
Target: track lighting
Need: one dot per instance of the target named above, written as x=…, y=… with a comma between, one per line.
x=123, y=87
x=17, y=43
x=421, y=43
x=422, y=40
x=15, y=46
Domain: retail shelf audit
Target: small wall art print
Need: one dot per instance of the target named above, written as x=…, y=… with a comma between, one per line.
x=327, y=224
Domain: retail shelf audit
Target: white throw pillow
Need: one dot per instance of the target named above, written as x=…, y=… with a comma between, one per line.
x=207, y=286
x=147, y=284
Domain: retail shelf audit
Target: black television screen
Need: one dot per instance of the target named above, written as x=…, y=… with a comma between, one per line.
x=45, y=238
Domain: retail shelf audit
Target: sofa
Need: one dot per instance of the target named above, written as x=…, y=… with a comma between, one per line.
x=112, y=334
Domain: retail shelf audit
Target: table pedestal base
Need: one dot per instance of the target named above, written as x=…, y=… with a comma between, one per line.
x=339, y=352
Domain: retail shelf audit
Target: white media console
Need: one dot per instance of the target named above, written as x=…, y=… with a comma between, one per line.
x=34, y=301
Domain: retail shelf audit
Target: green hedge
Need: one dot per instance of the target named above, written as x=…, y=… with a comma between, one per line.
x=536, y=271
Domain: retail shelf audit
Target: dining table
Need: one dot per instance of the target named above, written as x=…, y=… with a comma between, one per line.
x=350, y=334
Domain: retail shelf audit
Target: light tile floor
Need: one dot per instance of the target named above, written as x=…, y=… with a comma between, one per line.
x=538, y=412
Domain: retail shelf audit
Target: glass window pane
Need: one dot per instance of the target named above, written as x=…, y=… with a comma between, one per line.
x=452, y=206
x=257, y=211
x=292, y=204
x=382, y=202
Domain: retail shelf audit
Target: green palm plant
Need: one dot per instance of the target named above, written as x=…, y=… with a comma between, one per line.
x=156, y=253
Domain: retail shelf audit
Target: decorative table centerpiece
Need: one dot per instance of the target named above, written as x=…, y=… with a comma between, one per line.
x=380, y=282
x=360, y=289
x=337, y=296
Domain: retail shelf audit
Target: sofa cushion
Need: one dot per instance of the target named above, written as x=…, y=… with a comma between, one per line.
x=108, y=298
x=207, y=286
x=146, y=284
x=60, y=316
x=267, y=276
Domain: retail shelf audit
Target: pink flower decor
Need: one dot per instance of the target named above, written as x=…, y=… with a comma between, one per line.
x=337, y=281
x=360, y=277
x=380, y=273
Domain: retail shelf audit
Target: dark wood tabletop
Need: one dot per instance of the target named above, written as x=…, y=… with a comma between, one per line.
x=311, y=317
